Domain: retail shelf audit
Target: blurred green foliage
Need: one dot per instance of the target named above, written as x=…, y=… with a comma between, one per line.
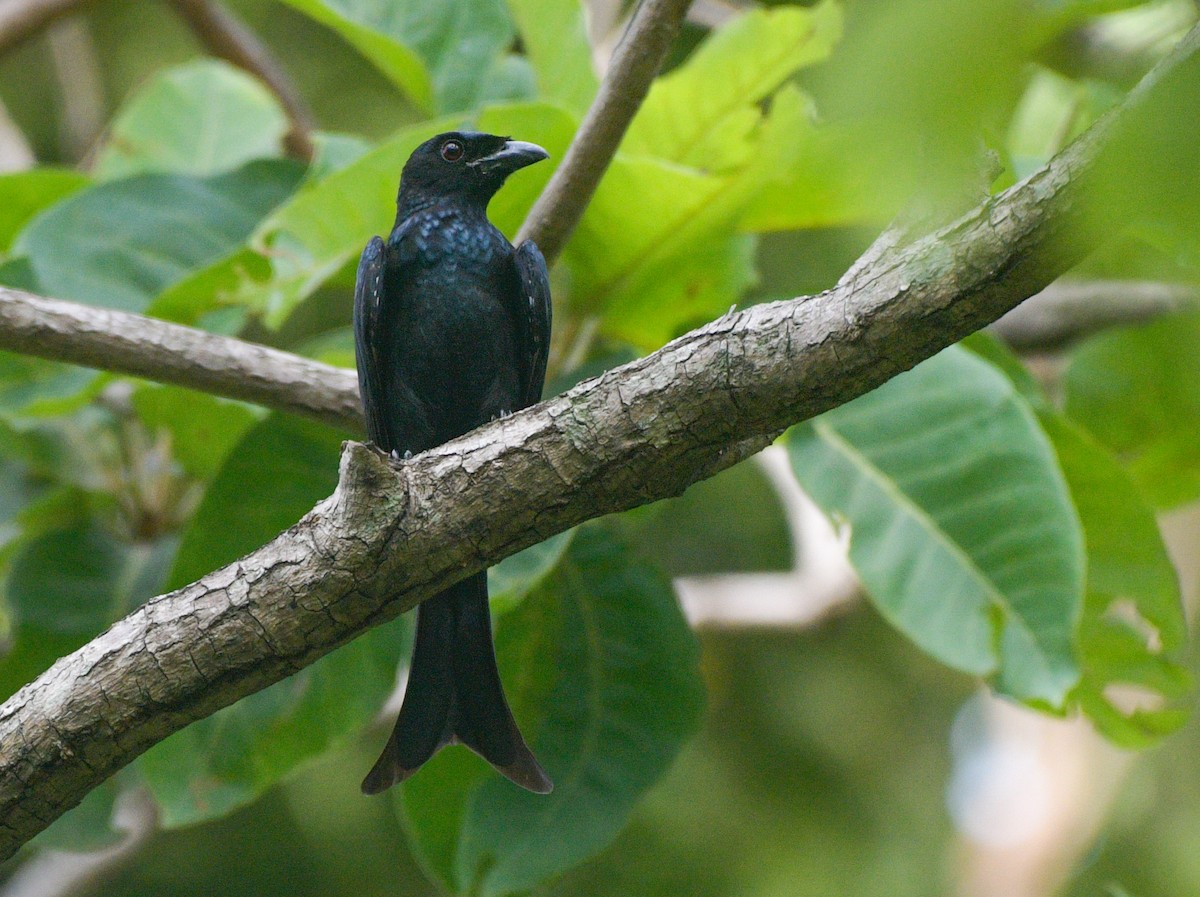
x=1000, y=526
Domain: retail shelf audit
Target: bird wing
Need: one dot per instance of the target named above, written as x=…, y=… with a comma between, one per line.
x=533, y=316
x=369, y=294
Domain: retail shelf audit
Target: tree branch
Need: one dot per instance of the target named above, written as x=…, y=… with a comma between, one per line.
x=227, y=37
x=145, y=347
x=21, y=18
x=635, y=62
x=1072, y=309
x=392, y=535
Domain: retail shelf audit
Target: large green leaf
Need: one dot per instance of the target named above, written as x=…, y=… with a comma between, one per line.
x=34, y=386
x=703, y=113
x=1137, y=389
x=1133, y=627
x=459, y=42
x=203, y=428
x=555, y=37
x=675, y=262
x=680, y=260
x=695, y=534
x=601, y=670
x=68, y=583
x=24, y=194
x=961, y=525
x=121, y=243
x=352, y=21
x=831, y=178
x=201, y=118
x=278, y=471
x=516, y=576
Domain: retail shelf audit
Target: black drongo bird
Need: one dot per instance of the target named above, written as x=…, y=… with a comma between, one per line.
x=451, y=330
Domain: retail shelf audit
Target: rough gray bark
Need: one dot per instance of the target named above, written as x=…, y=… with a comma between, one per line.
x=145, y=347
x=392, y=535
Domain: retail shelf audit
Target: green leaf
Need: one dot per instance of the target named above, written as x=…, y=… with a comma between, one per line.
x=833, y=177
x=1133, y=625
x=703, y=113
x=334, y=347
x=555, y=37
x=223, y=285
x=1069, y=13
x=353, y=21
x=24, y=194
x=201, y=118
x=1137, y=389
x=66, y=585
x=999, y=356
x=279, y=470
x=333, y=152
x=676, y=263
x=458, y=41
x=680, y=261
x=515, y=576
x=962, y=529
x=120, y=243
x=695, y=535
x=17, y=274
x=510, y=80
x=87, y=826
x=601, y=656
x=34, y=387
x=68, y=582
x=203, y=428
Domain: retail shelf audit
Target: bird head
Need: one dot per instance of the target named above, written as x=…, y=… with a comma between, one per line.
x=463, y=164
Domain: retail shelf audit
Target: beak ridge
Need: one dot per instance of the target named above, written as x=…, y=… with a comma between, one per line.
x=515, y=154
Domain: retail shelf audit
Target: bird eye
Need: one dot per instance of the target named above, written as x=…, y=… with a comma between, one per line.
x=452, y=150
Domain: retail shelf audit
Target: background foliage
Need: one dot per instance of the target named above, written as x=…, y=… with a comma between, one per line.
x=1001, y=516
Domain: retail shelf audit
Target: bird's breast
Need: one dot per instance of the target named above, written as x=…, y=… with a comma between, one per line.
x=457, y=344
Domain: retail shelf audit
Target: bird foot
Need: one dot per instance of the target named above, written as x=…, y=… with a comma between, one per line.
x=396, y=456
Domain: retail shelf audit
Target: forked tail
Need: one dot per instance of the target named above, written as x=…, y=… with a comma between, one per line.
x=454, y=695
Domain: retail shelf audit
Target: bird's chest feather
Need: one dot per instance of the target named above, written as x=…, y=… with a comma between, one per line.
x=457, y=275
x=456, y=339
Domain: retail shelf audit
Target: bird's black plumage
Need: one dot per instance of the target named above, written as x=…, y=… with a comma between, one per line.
x=451, y=330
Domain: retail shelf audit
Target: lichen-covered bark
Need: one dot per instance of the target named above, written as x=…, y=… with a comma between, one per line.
x=392, y=535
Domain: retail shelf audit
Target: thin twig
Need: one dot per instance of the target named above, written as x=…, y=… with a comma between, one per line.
x=1072, y=309
x=145, y=347
x=634, y=64
x=80, y=86
x=15, y=152
x=225, y=36
x=20, y=19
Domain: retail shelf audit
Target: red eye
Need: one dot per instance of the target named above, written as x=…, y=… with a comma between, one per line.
x=452, y=150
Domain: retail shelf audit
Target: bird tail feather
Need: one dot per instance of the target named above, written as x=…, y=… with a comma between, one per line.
x=454, y=694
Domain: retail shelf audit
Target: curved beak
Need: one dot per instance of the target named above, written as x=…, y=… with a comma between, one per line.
x=513, y=155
